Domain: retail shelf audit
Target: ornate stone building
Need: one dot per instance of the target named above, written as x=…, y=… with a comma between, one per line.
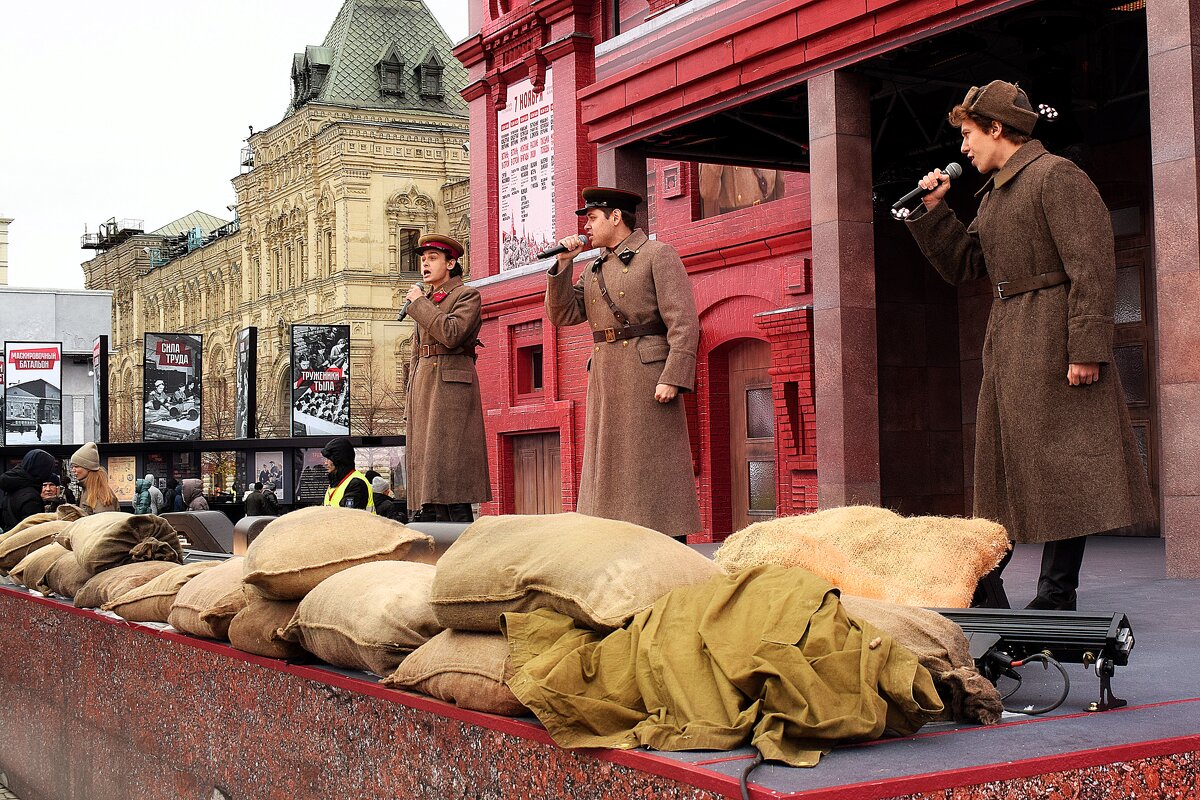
x=371, y=154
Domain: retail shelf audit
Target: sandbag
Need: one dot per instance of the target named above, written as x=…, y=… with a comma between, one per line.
x=299, y=550
x=32, y=569
x=70, y=512
x=110, y=583
x=66, y=577
x=461, y=667
x=599, y=572
x=112, y=538
x=367, y=617
x=20, y=543
x=208, y=602
x=875, y=553
x=152, y=601
x=256, y=627
x=30, y=521
x=942, y=648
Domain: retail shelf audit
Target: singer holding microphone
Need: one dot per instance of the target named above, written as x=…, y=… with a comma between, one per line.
x=1055, y=455
x=446, y=452
x=637, y=299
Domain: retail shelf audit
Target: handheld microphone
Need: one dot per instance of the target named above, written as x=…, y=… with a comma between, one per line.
x=404, y=309
x=898, y=208
x=559, y=249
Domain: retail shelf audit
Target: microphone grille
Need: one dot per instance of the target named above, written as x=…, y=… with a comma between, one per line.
x=953, y=170
x=583, y=238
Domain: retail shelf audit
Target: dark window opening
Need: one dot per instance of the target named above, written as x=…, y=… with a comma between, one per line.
x=529, y=370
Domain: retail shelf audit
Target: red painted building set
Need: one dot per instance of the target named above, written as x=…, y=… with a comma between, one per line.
x=770, y=139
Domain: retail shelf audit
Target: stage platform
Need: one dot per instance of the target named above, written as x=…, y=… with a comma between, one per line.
x=95, y=708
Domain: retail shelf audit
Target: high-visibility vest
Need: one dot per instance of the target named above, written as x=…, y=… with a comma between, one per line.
x=334, y=495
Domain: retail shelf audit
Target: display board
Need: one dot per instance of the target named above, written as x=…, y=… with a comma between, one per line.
x=100, y=389
x=32, y=393
x=320, y=380
x=172, y=395
x=525, y=127
x=246, y=387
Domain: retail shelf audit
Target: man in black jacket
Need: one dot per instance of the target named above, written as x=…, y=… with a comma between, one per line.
x=21, y=487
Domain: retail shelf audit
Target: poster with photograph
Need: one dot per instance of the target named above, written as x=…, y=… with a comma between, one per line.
x=268, y=469
x=171, y=393
x=526, y=172
x=32, y=393
x=310, y=479
x=320, y=380
x=246, y=388
x=122, y=473
x=100, y=389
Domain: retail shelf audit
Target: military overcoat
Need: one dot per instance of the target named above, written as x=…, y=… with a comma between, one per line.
x=446, y=452
x=637, y=463
x=1052, y=461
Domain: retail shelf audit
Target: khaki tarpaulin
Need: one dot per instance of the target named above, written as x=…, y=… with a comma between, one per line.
x=768, y=656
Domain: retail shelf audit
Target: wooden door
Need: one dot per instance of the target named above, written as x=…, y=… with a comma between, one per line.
x=537, y=485
x=751, y=434
x=1133, y=335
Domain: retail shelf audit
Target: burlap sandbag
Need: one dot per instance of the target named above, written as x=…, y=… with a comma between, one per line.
x=111, y=538
x=942, y=648
x=466, y=668
x=32, y=569
x=367, y=617
x=21, y=543
x=67, y=577
x=599, y=572
x=152, y=601
x=876, y=553
x=110, y=583
x=299, y=550
x=70, y=512
x=30, y=521
x=208, y=602
x=256, y=627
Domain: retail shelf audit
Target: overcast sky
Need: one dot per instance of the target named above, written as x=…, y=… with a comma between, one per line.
x=137, y=109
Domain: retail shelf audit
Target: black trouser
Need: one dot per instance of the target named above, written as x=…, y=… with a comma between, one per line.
x=1059, y=578
x=1061, y=561
x=446, y=512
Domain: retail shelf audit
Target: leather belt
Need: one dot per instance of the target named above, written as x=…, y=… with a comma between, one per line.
x=427, y=350
x=1006, y=289
x=629, y=332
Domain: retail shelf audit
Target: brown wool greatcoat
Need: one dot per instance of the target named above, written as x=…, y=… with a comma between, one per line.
x=1052, y=461
x=446, y=451
x=637, y=464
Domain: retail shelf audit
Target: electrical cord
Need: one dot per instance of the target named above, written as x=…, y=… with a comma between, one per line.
x=1047, y=662
x=744, y=782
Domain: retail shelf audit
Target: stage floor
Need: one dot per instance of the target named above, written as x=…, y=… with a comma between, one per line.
x=1057, y=753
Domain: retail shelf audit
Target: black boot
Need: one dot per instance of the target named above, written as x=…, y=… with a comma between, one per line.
x=426, y=514
x=1061, y=561
x=989, y=592
x=441, y=512
x=461, y=512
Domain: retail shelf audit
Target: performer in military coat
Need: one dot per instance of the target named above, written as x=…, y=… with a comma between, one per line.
x=637, y=300
x=446, y=452
x=1055, y=455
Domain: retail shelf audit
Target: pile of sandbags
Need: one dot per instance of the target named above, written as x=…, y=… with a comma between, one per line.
x=333, y=579
x=206, y=603
x=152, y=601
x=599, y=572
x=67, y=552
x=875, y=553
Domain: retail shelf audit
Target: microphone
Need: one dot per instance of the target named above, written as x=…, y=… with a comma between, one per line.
x=900, y=212
x=559, y=249
x=404, y=309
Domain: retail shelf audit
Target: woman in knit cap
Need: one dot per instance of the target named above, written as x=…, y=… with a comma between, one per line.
x=97, y=491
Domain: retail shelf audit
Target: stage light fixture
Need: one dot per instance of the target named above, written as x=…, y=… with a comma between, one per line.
x=1048, y=113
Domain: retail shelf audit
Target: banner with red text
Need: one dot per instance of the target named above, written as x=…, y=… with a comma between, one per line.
x=525, y=128
x=320, y=380
x=32, y=393
x=172, y=397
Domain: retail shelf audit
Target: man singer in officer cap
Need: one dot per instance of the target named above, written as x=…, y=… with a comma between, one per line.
x=637, y=300
x=445, y=452
x=1055, y=456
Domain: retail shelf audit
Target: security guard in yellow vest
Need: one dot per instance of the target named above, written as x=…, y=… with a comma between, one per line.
x=348, y=487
